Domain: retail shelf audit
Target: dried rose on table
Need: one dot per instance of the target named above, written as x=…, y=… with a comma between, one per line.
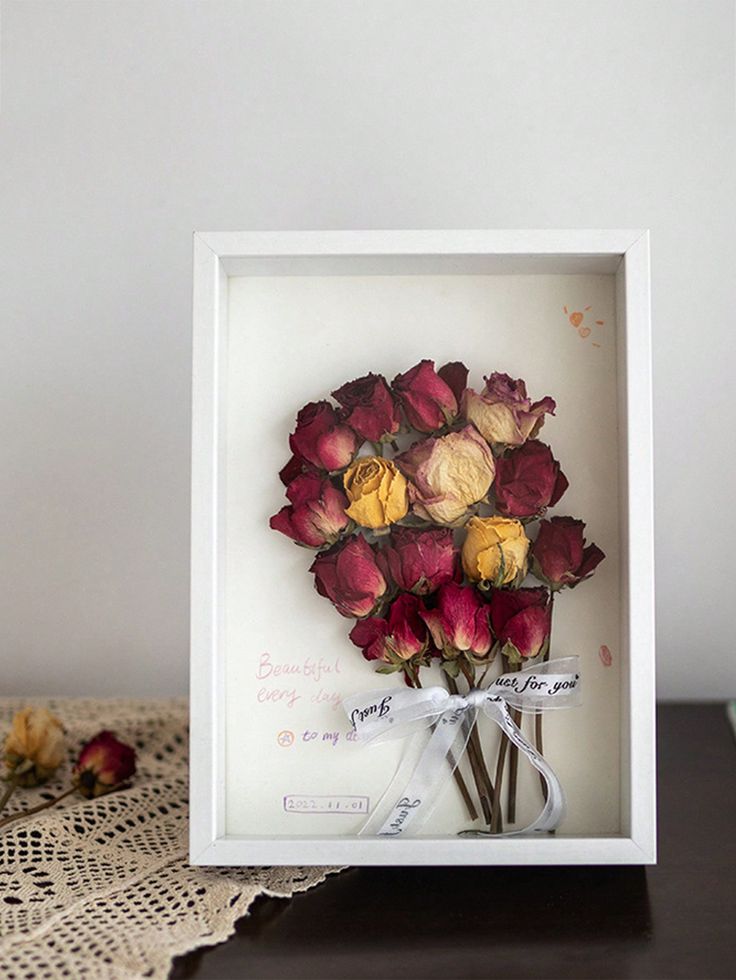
x=105, y=763
x=34, y=748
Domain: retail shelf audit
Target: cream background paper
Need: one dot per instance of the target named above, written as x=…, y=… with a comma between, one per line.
x=288, y=656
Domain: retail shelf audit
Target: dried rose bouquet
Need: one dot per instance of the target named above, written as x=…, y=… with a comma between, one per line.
x=425, y=501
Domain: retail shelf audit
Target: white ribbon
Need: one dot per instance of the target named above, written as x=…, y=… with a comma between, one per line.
x=388, y=714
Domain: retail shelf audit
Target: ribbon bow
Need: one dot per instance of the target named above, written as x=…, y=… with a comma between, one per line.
x=388, y=714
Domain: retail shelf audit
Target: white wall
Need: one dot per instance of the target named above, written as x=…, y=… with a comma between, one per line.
x=126, y=125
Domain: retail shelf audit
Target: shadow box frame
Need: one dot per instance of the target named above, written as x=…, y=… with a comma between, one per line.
x=219, y=256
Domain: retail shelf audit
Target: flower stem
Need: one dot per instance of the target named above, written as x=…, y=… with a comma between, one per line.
x=478, y=766
x=483, y=768
x=513, y=767
x=9, y=790
x=538, y=740
x=457, y=775
x=37, y=809
x=496, y=826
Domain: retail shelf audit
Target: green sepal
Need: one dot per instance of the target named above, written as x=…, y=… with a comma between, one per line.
x=477, y=661
x=511, y=653
x=544, y=649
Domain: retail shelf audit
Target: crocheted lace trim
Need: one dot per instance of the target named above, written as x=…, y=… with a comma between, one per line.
x=102, y=888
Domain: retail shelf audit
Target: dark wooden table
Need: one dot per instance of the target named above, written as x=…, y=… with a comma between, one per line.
x=677, y=919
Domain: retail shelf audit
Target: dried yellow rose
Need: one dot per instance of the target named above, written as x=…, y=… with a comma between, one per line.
x=34, y=747
x=377, y=492
x=495, y=550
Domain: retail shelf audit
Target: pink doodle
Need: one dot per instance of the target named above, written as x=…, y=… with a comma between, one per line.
x=605, y=655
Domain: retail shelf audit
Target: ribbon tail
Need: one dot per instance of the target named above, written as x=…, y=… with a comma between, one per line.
x=417, y=800
x=553, y=811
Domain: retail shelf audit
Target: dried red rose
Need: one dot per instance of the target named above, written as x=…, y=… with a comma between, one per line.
x=316, y=513
x=350, y=577
x=420, y=561
x=560, y=556
x=369, y=408
x=528, y=481
x=427, y=400
x=321, y=439
x=455, y=375
x=521, y=621
x=459, y=623
x=291, y=470
x=104, y=764
x=399, y=637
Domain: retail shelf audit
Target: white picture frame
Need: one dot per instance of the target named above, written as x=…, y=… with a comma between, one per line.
x=220, y=256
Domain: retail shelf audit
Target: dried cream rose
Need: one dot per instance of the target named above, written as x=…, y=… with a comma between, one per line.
x=377, y=492
x=503, y=413
x=34, y=748
x=448, y=474
x=495, y=550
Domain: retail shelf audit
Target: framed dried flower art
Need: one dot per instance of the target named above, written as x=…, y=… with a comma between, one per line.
x=422, y=577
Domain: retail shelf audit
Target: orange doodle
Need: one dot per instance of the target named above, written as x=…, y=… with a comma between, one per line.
x=285, y=738
x=576, y=319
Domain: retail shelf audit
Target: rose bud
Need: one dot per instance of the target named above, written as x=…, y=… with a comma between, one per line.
x=455, y=375
x=316, y=515
x=502, y=412
x=420, y=561
x=369, y=408
x=321, y=439
x=377, y=492
x=34, y=748
x=447, y=474
x=399, y=637
x=349, y=576
x=495, y=550
x=459, y=624
x=104, y=764
x=528, y=481
x=427, y=400
x=560, y=556
x=521, y=621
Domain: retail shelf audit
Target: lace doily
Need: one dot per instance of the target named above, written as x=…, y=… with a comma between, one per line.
x=102, y=888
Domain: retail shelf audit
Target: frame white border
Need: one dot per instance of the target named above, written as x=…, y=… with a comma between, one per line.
x=217, y=256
